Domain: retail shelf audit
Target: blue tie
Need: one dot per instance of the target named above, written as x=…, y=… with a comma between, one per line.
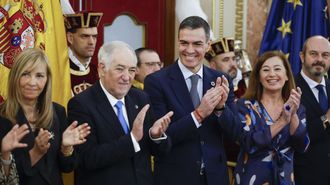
x=323, y=101
x=120, y=115
x=193, y=90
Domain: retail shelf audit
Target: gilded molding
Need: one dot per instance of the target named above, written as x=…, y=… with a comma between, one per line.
x=217, y=9
x=221, y=7
x=239, y=20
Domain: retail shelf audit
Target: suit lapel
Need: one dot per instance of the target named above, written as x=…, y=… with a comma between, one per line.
x=179, y=87
x=131, y=109
x=209, y=79
x=327, y=87
x=105, y=109
x=308, y=95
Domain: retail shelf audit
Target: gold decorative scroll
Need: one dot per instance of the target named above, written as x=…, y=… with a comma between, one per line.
x=239, y=20
x=221, y=6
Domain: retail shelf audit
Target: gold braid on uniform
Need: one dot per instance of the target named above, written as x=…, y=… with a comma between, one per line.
x=79, y=73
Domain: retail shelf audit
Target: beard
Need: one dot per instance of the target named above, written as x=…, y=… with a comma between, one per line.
x=232, y=73
x=315, y=72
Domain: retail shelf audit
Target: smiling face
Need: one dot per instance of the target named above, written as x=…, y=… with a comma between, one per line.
x=32, y=82
x=117, y=78
x=193, y=45
x=273, y=75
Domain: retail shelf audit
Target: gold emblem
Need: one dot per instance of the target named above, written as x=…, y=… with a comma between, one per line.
x=81, y=87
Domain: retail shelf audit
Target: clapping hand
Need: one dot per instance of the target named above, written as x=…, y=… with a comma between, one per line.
x=42, y=144
x=292, y=104
x=210, y=100
x=13, y=137
x=215, y=97
x=75, y=135
x=137, y=129
x=161, y=125
x=224, y=85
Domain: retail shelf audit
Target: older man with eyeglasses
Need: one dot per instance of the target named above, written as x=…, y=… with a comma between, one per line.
x=148, y=62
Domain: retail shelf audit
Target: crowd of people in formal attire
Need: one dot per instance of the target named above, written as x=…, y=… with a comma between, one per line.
x=185, y=115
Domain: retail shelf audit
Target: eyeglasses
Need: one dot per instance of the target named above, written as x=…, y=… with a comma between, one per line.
x=153, y=64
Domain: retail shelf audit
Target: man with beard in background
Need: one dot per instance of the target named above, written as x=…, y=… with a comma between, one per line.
x=313, y=166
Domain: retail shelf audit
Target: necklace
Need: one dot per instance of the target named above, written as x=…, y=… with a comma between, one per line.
x=278, y=118
x=267, y=115
x=32, y=125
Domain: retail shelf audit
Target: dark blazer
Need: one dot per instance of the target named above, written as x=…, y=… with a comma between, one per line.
x=313, y=167
x=168, y=92
x=48, y=169
x=108, y=156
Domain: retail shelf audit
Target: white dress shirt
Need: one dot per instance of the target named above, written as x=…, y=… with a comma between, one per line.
x=113, y=101
x=186, y=75
x=312, y=84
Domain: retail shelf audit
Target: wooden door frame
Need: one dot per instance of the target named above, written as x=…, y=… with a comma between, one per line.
x=169, y=32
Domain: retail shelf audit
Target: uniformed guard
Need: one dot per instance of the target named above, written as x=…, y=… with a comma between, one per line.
x=82, y=36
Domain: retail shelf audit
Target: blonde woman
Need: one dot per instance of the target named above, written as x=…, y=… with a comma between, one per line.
x=50, y=141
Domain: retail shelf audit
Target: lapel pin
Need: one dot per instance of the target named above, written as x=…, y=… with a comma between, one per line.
x=136, y=106
x=212, y=84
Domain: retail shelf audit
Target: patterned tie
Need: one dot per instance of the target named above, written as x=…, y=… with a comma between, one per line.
x=323, y=101
x=193, y=91
x=120, y=115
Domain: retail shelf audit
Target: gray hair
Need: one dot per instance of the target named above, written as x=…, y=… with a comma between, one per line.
x=108, y=50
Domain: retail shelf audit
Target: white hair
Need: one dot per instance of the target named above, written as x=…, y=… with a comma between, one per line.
x=109, y=49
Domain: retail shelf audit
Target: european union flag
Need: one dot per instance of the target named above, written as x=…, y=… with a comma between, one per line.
x=290, y=23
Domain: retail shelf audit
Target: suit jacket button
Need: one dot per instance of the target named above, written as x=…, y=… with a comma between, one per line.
x=202, y=143
x=198, y=163
x=328, y=154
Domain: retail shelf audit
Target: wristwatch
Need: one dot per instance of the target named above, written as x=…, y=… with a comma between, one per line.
x=325, y=120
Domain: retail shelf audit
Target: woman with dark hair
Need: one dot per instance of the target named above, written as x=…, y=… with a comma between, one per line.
x=50, y=141
x=274, y=124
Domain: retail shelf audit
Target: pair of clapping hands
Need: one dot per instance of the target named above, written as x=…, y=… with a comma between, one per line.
x=214, y=98
x=73, y=135
x=292, y=104
x=158, y=128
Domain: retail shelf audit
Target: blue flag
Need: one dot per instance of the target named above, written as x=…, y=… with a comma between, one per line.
x=290, y=23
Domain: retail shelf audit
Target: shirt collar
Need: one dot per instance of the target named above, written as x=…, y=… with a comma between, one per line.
x=111, y=98
x=311, y=83
x=187, y=73
x=74, y=59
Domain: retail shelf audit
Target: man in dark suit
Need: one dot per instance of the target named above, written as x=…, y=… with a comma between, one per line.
x=201, y=99
x=313, y=167
x=117, y=151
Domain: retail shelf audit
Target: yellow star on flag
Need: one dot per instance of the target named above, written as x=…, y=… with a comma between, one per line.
x=285, y=28
x=295, y=3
